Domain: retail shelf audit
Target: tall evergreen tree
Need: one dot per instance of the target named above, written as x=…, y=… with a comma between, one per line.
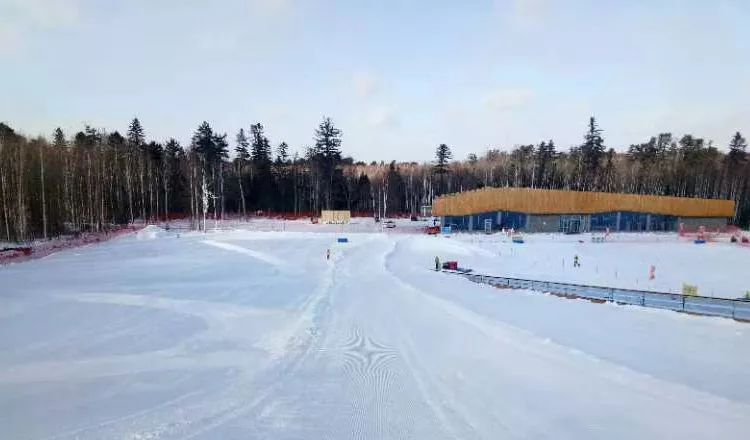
x=282, y=153
x=442, y=156
x=170, y=164
x=221, y=146
x=136, y=136
x=59, y=139
x=203, y=143
x=243, y=154
x=592, y=151
x=261, y=147
x=328, y=141
x=737, y=150
x=327, y=155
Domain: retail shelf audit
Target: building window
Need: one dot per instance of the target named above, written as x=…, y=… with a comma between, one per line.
x=485, y=218
x=571, y=224
x=633, y=221
x=600, y=222
x=515, y=220
x=663, y=222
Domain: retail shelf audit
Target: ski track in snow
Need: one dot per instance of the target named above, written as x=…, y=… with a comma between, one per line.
x=249, y=252
x=368, y=351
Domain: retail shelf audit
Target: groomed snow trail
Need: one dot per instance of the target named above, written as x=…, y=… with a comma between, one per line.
x=253, y=335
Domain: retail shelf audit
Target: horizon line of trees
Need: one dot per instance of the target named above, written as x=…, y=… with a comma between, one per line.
x=96, y=180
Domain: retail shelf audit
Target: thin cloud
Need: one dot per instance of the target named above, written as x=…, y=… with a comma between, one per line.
x=526, y=13
x=270, y=7
x=383, y=117
x=364, y=84
x=20, y=19
x=10, y=40
x=509, y=99
x=44, y=14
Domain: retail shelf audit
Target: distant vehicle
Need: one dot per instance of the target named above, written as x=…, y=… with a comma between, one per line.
x=389, y=224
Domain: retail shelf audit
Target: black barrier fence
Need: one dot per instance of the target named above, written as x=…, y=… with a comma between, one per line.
x=700, y=305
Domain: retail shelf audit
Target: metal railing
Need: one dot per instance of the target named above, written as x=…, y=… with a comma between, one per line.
x=700, y=305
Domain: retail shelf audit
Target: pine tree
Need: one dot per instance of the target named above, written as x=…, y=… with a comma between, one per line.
x=241, y=149
x=261, y=147
x=545, y=155
x=136, y=135
x=136, y=139
x=243, y=155
x=262, y=178
x=735, y=173
x=442, y=156
x=609, y=171
x=363, y=194
x=327, y=154
x=328, y=141
x=203, y=143
x=592, y=151
x=282, y=153
x=172, y=149
x=221, y=147
x=59, y=139
x=221, y=151
x=737, y=150
x=172, y=152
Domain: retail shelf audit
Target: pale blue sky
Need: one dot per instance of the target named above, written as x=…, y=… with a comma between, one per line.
x=398, y=77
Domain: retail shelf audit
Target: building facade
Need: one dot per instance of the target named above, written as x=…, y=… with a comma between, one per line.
x=536, y=210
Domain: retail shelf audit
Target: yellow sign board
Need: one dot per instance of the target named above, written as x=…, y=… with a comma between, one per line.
x=689, y=290
x=335, y=217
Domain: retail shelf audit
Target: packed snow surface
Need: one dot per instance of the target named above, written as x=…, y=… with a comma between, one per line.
x=150, y=232
x=717, y=269
x=249, y=334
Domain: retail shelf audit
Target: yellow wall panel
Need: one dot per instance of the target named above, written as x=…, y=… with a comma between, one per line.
x=546, y=201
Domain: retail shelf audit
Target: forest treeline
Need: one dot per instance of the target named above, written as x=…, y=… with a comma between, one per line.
x=94, y=180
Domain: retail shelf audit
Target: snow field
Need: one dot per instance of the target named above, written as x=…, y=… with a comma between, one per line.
x=717, y=269
x=248, y=334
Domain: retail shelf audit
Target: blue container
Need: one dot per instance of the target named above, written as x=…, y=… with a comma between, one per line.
x=342, y=240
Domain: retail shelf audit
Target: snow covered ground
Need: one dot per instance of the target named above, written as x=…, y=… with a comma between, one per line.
x=623, y=260
x=251, y=334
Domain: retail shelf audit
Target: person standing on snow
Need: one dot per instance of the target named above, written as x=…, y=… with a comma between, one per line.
x=328, y=254
x=576, y=263
x=437, y=264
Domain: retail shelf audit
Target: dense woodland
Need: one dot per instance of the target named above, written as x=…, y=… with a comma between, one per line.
x=95, y=180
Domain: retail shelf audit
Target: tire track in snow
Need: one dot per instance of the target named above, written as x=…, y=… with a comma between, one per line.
x=371, y=368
